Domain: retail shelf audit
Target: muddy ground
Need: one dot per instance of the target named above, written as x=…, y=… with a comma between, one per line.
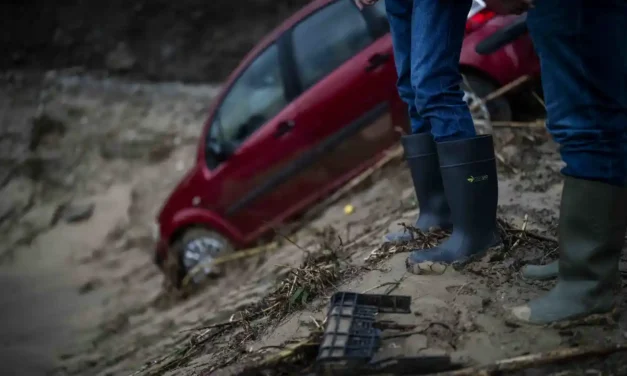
x=86, y=163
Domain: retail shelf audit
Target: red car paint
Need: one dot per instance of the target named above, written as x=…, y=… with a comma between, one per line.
x=515, y=60
x=342, y=125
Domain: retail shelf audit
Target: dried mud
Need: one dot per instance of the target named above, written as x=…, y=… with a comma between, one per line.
x=100, y=302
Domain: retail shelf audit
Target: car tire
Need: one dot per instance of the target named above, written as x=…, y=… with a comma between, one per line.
x=499, y=109
x=198, y=240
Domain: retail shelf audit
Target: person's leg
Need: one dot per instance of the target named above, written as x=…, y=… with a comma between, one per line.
x=399, y=13
x=467, y=162
x=420, y=150
x=583, y=52
x=437, y=33
x=590, y=99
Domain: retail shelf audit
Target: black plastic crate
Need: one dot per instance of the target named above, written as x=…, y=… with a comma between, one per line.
x=383, y=303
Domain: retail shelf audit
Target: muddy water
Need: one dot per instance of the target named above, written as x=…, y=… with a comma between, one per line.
x=43, y=313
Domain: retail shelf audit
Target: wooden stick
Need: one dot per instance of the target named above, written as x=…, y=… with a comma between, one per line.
x=501, y=91
x=513, y=124
x=392, y=154
x=536, y=360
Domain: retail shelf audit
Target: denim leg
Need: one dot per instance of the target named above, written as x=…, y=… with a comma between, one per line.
x=582, y=45
x=437, y=33
x=399, y=13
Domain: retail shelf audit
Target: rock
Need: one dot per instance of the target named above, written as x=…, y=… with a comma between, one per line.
x=6, y=210
x=89, y=286
x=512, y=155
x=40, y=218
x=78, y=212
x=121, y=58
x=16, y=197
x=137, y=144
x=44, y=126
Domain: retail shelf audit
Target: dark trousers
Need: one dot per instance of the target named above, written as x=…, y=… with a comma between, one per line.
x=427, y=36
x=582, y=46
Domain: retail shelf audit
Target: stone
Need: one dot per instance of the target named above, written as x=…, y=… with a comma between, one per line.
x=512, y=154
x=40, y=218
x=6, y=210
x=45, y=126
x=78, y=212
x=121, y=58
x=16, y=197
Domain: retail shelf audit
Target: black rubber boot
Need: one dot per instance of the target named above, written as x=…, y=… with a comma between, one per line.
x=422, y=158
x=470, y=183
x=592, y=225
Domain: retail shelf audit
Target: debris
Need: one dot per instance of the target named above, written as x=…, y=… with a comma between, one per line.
x=6, y=210
x=348, y=209
x=501, y=91
x=539, y=359
x=89, y=286
x=77, y=212
x=40, y=218
x=121, y=58
x=44, y=125
x=16, y=197
x=392, y=155
x=516, y=124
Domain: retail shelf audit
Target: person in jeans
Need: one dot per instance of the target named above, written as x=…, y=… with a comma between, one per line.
x=582, y=48
x=452, y=168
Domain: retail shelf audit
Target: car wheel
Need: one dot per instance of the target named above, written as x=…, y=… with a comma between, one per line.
x=192, y=254
x=475, y=88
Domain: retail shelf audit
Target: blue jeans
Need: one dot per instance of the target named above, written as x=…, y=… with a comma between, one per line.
x=582, y=45
x=427, y=36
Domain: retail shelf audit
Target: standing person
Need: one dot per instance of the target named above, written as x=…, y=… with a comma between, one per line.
x=453, y=169
x=582, y=45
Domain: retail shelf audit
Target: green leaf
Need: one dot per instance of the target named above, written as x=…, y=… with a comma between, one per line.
x=305, y=296
x=299, y=291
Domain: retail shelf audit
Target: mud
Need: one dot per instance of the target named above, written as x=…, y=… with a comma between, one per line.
x=84, y=298
x=189, y=40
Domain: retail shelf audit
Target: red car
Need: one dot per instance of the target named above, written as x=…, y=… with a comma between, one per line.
x=310, y=107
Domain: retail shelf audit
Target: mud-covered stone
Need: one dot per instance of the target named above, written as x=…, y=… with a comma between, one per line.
x=16, y=197
x=78, y=212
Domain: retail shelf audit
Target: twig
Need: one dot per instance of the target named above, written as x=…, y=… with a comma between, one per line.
x=523, y=231
x=396, y=283
x=504, y=162
x=537, y=97
x=513, y=124
x=460, y=290
x=421, y=331
x=393, y=154
x=535, y=360
x=501, y=91
x=245, y=253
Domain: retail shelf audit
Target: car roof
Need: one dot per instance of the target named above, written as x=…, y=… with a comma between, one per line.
x=277, y=32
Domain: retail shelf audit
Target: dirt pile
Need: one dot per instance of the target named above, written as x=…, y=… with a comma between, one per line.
x=189, y=40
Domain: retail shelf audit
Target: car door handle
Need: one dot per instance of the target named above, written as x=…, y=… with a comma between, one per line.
x=376, y=61
x=283, y=128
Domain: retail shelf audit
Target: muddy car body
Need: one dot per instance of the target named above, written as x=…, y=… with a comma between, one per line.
x=310, y=107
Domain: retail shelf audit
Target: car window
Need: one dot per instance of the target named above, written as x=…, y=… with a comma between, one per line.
x=255, y=97
x=327, y=39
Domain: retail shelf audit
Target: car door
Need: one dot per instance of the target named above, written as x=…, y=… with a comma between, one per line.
x=258, y=182
x=349, y=102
